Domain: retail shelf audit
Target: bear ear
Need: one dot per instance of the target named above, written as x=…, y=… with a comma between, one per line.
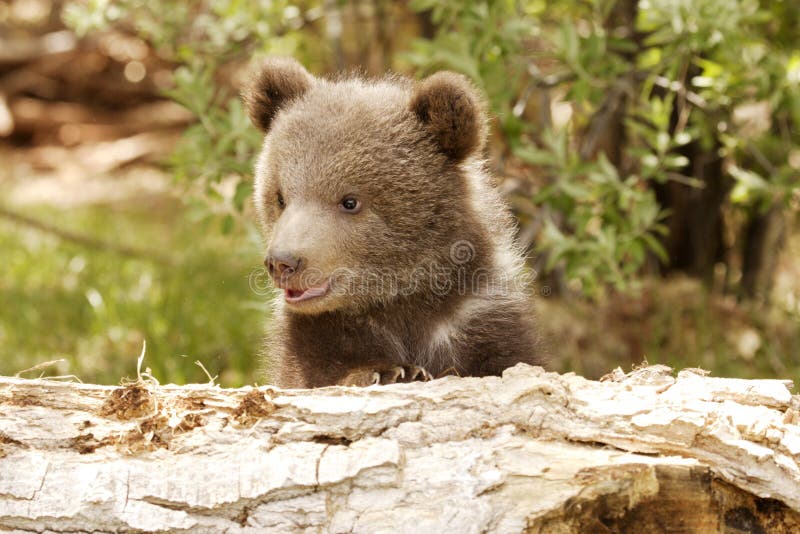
x=450, y=108
x=275, y=83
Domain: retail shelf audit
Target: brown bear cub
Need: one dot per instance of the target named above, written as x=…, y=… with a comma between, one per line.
x=394, y=252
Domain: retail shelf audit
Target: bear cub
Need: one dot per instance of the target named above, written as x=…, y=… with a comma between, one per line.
x=394, y=252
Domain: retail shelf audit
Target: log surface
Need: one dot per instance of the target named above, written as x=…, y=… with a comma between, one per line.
x=529, y=451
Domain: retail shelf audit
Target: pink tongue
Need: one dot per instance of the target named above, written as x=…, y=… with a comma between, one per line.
x=305, y=293
x=315, y=291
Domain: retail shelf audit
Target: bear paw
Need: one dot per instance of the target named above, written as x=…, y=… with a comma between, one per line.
x=371, y=376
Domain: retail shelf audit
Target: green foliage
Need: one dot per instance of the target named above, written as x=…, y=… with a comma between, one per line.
x=613, y=220
x=676, y=72
x=740, y=60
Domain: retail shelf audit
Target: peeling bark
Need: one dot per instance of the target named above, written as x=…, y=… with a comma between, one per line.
x=531, y=451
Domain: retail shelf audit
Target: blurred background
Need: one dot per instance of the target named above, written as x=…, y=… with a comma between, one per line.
x=649, y=149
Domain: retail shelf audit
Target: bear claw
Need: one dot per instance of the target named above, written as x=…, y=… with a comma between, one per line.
x=391, y=375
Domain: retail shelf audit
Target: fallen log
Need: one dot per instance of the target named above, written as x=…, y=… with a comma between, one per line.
x=32, y=115
x=23, y=50
x=529, y=451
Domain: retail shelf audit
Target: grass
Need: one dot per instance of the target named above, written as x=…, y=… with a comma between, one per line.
x=94, y=307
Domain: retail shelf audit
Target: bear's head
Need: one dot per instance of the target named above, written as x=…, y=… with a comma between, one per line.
x=361, y=184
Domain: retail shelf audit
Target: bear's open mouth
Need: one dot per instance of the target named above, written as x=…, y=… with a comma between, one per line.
x=294, y=296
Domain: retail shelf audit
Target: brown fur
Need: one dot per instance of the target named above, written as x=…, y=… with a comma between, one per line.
x=410, y=153
x=277, y=82
x=448, y=106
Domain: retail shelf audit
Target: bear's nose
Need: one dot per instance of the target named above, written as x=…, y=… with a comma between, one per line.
x=282, y=264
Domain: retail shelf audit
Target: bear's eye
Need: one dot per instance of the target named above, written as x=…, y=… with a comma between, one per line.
x=281, y=202
x=350, y=205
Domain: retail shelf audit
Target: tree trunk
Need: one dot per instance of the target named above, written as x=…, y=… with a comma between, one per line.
x=764, y=237
x=605, y=132
x=531, y=451
x=695, y=241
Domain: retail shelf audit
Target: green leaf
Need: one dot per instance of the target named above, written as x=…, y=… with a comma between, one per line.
x=227, y=224
x=675, y=161
x=655, y=246
x=242, y=193
x=570, y=42
x=535, y=156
